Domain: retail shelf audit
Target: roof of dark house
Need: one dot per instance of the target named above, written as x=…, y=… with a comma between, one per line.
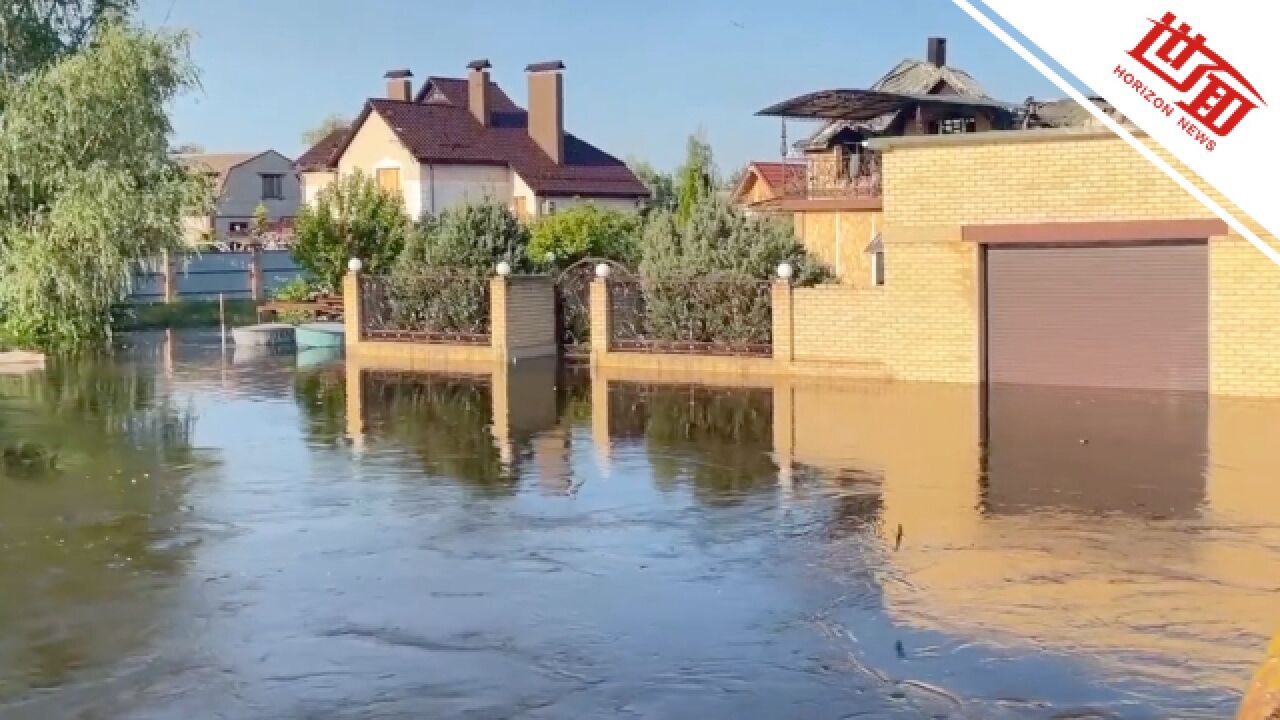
x=437, y=127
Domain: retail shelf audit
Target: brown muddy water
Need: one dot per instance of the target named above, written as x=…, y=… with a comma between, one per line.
x=188, y=535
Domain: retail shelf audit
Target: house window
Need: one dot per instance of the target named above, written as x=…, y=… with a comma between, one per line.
x=389, y=180
x=272, y=187
x=953, y=126
x=238, y=228
x=877, y=268
x=549, y=207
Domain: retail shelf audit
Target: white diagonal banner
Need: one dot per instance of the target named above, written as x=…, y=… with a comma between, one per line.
x=1200, y=78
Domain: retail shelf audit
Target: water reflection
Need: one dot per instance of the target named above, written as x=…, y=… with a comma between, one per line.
x=717, y=440
x=527, y=541
x=1095, y=451
x=92, y=526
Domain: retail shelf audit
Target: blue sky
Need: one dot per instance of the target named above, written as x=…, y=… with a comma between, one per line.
x=641, y=76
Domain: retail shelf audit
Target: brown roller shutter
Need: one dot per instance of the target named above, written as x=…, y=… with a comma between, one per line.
x=1127, y=316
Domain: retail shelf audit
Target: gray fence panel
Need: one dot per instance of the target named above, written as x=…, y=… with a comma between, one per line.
x=205, y=276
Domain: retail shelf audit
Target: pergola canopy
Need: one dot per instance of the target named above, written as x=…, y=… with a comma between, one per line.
x=863, y=105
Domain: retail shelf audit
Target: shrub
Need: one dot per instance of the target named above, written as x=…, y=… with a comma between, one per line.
x=720, y=241
x=298, y=289
x=440, y=282
x=701, y=279
x=352, y=217
x=585, y=231
x=474, y=236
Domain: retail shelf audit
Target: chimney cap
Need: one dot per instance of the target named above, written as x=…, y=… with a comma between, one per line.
x=396, y=74
x=480, y=64
x=547, y=66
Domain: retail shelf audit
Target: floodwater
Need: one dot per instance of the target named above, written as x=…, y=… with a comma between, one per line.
x=185, y=534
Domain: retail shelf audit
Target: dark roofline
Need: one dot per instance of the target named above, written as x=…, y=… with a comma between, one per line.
x=545, y=66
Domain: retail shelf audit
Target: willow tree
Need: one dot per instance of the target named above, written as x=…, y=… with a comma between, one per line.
x=87, y=187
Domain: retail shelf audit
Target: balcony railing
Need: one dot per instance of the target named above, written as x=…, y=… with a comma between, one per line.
x=837, y=176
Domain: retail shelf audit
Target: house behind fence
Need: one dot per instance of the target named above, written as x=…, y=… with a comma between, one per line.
x=206, y=276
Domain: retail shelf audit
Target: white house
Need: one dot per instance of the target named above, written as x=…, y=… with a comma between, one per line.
x=463, y=139
x=242, y=182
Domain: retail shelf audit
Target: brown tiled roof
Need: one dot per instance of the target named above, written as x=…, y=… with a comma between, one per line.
x=323, y=155
x=438, y=128
x=777, y=174
x=455, y=92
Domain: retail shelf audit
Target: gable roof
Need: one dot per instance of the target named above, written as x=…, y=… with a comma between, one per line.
x=438, y=128
x=456, y=91
x=321, y=156
x=776, y=175
x=218, y=165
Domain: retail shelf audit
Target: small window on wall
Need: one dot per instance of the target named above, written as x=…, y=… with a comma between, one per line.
x=549, y=207
x=272, y=187
x=954, y=126
x=238, y=228
x=877, y=268
x=389, y=179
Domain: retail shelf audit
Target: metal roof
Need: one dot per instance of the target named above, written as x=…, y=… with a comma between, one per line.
x=851, y=104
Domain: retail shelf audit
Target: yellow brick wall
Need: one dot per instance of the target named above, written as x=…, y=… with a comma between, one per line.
x=840, y=239
x=933, y=190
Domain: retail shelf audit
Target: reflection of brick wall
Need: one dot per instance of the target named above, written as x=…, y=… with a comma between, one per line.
x=932, y=190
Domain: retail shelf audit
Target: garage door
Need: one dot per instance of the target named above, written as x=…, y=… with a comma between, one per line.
x=1132, y=316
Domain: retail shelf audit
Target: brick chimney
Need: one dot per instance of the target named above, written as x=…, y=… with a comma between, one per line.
x=478, y=89
x=546, y=108
x=399, y=85
x=937, y=51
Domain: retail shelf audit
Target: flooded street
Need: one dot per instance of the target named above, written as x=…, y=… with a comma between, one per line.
x=185, y=534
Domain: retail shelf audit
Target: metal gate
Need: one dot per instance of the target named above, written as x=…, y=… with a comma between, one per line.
x=573, y=305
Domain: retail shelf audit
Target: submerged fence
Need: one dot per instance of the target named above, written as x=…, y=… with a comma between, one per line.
x=447, y=307
x=699, y=317
x=206, y=276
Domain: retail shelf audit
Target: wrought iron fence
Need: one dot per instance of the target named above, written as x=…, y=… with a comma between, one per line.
x=573, y=304
x=440, y=307
x=695, y=317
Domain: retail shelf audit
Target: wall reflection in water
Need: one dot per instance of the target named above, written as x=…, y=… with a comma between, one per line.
x=1137, y=529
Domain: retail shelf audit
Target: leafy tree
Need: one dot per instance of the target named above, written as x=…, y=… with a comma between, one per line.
x=188, y=149
x=259, y=225
x=352, y=217
x=474, y=236
x=35, y=33
x=87, y=187
x=326, y=126
x=696, y=181
x=584, y=231
x=662, y=187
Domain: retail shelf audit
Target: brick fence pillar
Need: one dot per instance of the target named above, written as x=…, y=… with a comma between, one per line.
x=783, y=324
x=351, y=309
x=601, y=323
